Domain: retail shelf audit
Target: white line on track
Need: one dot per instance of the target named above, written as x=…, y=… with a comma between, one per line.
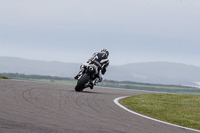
x=116, y=101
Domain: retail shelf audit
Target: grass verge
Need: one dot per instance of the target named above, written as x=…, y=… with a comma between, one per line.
x=177, y=89
x=183, y=110
x=4, y=77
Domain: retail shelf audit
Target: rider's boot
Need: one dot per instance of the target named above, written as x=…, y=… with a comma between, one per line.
x=91, y=85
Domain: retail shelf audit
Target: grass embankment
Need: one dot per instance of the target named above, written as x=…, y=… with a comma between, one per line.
x=183, y=110
x=4, y=77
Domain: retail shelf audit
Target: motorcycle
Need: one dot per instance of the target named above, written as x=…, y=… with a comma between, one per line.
x=85, y=80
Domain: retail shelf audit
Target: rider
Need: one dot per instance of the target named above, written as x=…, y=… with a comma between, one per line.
x=99, y=59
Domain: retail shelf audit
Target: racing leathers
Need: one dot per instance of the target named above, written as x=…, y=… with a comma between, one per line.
x=101, y=61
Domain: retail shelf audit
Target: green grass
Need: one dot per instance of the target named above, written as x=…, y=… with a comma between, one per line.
x=183, y=110
x=4, y=77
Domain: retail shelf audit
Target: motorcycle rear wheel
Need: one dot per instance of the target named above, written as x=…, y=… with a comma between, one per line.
x=81, y=83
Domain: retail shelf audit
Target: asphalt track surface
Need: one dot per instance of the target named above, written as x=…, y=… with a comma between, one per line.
x=34, y=107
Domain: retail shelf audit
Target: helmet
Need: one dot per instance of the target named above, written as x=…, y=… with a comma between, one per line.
x=105, y=51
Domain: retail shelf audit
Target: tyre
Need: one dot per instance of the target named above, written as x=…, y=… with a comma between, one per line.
x=81, y=83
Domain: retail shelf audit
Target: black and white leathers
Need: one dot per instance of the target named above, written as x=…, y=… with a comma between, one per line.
x=100, y=59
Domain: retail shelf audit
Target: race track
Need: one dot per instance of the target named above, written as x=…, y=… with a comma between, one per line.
x=34, y=107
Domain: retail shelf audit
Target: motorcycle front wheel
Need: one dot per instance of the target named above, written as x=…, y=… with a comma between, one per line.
x=81, y=82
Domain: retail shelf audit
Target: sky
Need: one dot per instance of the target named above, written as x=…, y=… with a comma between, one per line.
x=72, y=30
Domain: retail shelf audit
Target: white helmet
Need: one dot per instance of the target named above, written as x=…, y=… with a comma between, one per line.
x=105, y=51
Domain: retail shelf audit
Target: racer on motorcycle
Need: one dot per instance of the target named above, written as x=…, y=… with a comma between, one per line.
x=101, y=61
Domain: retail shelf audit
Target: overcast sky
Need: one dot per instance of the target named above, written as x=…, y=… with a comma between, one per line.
x=72, y=30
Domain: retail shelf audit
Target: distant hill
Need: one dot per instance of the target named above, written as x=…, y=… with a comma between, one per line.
x=53, y=68
x=150, y=72
x=159, y=72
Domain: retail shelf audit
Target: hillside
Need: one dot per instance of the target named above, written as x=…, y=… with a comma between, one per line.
x=159, y=72
x=152, y=72
x=53, y=68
